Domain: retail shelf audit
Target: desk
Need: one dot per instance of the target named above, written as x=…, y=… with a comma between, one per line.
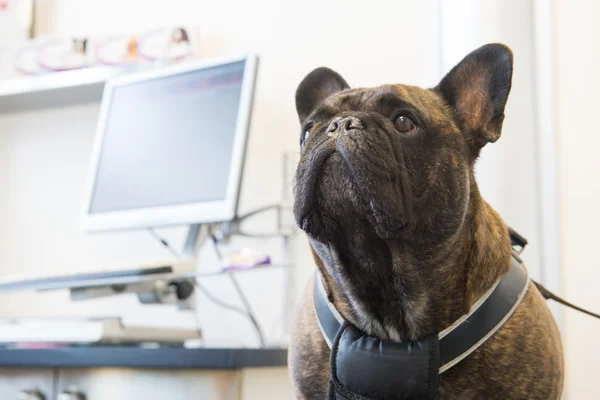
x=119, y=373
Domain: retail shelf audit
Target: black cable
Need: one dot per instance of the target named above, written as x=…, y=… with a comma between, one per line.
x=217, y=301
x=240, y=293
x=258, y=235
x=250, y=214
x=164, y=242
x=248, y=313
x=251, y=317
x=258, y=211
x=248, y=310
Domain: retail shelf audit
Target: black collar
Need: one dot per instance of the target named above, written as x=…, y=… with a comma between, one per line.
x=360, y=363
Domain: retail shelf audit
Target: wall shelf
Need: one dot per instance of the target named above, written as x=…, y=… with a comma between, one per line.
x=57, y=89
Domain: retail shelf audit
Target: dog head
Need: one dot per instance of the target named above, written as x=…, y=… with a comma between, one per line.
x=391, y=167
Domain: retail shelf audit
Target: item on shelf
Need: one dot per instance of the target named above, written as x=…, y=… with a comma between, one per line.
x=64, y=54
x=159, y=45
x=50, y=54
x=117, y=50
x=25, y=59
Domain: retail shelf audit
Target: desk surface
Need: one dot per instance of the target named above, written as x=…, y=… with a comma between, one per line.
x=135, y=357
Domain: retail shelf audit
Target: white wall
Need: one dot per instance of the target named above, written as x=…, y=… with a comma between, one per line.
x=578, y=85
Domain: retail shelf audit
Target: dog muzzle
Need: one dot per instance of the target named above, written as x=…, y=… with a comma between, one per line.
x=364, y=367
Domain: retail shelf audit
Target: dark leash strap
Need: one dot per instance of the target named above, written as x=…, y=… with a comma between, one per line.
x=548, y=295
x=519, y=241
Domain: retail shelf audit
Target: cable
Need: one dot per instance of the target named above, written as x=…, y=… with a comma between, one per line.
x=217, y=301
x=233, y=308
x=258, y=211
x=240, y=219
x=164, y=242
x=258, y=235
x=215, y=242
x=251, y=317
x=249, y=313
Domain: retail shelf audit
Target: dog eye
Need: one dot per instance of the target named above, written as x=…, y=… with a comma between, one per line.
x=305, y=136
x=405, y=125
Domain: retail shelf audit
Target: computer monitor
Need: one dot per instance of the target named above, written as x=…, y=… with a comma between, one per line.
x=170, y=146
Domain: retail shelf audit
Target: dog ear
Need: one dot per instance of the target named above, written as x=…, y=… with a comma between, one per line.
x=316, y=87
x=477, y=89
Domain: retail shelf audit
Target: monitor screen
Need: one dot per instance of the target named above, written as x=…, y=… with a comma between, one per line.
x=169, y=141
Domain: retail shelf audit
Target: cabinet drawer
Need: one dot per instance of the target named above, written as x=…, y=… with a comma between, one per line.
x=149, y=384
x=13, y=381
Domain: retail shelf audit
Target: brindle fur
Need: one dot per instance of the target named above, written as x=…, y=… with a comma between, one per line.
x=401, y=234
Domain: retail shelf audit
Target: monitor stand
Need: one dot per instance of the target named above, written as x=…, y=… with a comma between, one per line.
x=193, y=241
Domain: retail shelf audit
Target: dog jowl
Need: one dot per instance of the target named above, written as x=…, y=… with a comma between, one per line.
x=386, y=193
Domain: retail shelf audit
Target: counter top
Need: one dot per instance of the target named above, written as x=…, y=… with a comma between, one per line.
x=137, y=357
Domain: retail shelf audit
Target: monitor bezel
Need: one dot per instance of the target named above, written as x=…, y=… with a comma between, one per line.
x=179, y=214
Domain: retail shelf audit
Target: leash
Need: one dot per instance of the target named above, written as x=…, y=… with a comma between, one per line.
x=519, y=241
x=548, y=295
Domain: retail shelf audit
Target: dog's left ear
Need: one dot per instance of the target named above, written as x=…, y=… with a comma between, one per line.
x=477, y=89
x=316, y=87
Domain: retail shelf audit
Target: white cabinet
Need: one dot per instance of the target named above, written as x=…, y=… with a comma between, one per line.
x=26, y=383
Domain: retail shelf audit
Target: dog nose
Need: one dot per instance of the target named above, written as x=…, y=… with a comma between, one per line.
x=341, y=125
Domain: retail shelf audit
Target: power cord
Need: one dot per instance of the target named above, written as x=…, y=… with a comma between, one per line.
x=247, y=312
x=217, y=301
x=258, y=211
x=248, y=309
x=250, y=214
x=164, y=242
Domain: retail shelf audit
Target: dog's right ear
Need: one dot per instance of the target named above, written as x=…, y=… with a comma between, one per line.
x=477, y=89
x=316, y=87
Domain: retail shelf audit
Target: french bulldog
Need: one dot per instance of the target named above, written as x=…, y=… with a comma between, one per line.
x=385, y=190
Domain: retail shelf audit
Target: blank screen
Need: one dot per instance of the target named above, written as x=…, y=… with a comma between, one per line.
x=169, y=141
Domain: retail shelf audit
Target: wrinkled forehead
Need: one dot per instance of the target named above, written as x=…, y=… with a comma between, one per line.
x=386, y=100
